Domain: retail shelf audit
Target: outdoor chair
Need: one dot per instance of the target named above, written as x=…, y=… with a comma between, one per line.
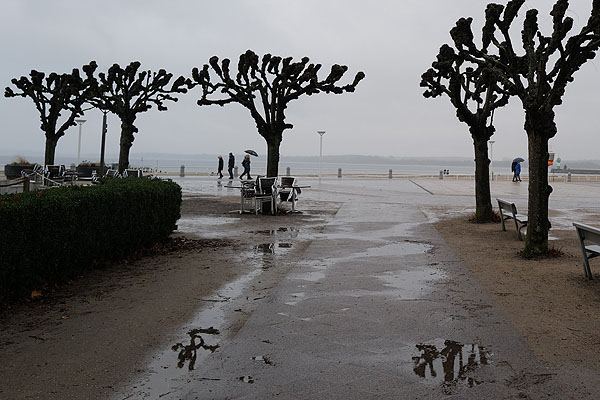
x=248, y=197
x=132, y=173
x=266, y=192
x=54, y=174
x=286, y=188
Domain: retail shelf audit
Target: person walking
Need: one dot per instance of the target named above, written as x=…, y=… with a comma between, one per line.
x=518, y=172
x=230, y=165
x=246, y=165
x=220, y=170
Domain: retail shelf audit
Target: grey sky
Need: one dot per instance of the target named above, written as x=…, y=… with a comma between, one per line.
x=393, y=42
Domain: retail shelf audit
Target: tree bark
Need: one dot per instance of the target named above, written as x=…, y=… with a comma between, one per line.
x=536, y=241
x=50, y=150
x=483, y=199
x=126, y=141
x=273, y=145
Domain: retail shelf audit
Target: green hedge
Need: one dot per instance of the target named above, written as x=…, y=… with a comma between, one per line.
x=51, y=235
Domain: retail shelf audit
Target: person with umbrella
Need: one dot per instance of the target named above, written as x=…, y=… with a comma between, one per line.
x=516, y=168
x=246, y=163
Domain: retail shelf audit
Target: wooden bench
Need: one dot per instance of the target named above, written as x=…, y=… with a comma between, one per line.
x=509, y=211
x=591, y=235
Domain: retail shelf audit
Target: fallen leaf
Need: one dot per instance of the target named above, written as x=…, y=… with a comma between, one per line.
x=36, y=294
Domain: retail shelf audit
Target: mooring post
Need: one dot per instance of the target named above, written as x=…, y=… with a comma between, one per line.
x=235, y=171
x=339, y=172
x=390, y=174
x=182, y=171
x=569, y=177
x=441, y=174
x=26, y=184
x=287, y=171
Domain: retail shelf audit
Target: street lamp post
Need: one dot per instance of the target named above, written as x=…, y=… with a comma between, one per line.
x=321, y=133
x=80, y=122
x=491, y=142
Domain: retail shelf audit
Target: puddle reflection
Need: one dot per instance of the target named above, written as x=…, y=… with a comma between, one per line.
x=271, y=248
x=189, y=352
x=455, y=362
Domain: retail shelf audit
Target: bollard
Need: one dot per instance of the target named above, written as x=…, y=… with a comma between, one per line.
x=441, y=174
x=339, y=172
x=235, y=171
x=182, y=171
x=390, y=174
x=26, y=183
x=73, y=167
x=569, y=177
x=287, y=171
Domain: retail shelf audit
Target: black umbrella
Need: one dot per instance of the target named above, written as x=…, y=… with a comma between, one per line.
x=518, y=160
x=252, y=153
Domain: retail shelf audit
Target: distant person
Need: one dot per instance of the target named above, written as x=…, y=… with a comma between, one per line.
x=517, y=173
x=246, y=165
x=230, y=165
x=220, y=171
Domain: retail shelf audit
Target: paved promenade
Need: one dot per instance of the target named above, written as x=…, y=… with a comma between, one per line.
x=374, y=306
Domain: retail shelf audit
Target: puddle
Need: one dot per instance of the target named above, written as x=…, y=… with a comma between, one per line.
x=271, y=232
x=272, y=248
x=192, y=348
x=449, y=364
x=266, y=359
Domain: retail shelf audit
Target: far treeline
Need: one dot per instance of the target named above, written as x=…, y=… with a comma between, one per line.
x=480, y=78
x=264, y=86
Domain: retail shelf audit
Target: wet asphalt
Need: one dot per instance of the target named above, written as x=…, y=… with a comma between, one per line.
x=373, y=305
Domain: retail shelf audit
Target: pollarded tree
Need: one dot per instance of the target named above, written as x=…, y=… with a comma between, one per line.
x=126, y=92
x=58, y=99
x=265, y=87
x=475, y=94
x=539, y=78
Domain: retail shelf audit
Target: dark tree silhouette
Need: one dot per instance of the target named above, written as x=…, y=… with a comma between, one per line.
x=54, y=95
x=265, y=87
x=475, y=94
x=539, y=78
x=126, y=92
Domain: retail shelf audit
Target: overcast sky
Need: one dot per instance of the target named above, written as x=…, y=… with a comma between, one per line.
x=393, y=42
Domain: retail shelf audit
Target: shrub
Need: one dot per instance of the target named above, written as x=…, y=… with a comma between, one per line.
x=51, y=235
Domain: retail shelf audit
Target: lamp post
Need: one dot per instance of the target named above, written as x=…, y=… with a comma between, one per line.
x=491, y=142
x=80, y=122
x=321, y=133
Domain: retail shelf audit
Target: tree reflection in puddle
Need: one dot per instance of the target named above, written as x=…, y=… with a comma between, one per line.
x=189, y=352
x=457, y=362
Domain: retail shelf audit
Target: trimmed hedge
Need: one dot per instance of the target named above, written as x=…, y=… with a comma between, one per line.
x=51, y=235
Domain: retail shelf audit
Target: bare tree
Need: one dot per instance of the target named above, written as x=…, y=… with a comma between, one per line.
x=265, y=88
x=475, y=94
x=54, y=96
x=126, y=92
x=539, y=78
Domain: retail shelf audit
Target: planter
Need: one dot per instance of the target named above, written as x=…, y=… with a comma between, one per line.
x=13, y=171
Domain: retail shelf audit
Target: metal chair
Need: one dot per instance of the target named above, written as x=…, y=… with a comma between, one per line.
x=266, y=192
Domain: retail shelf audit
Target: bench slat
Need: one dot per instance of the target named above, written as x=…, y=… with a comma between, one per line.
x=593, y=249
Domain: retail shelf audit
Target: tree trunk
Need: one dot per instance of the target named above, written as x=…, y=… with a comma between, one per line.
x=483, y=199
x=536, y=241
x=50, y=149
x=273, y=145
x=127, y=131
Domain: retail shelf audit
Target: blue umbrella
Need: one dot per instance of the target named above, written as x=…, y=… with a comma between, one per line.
x=518, y=160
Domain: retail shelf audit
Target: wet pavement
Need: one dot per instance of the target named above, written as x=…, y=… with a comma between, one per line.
x=373, y=305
